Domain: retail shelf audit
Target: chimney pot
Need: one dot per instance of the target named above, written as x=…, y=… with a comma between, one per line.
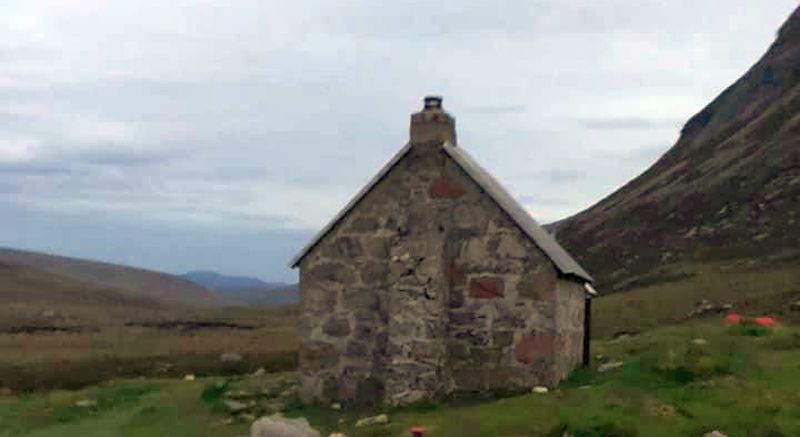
x=433, y=102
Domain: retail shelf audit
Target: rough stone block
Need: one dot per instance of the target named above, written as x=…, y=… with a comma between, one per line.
x=337, y=327
x=376, y=247
x=444, y=188
x=374, y=273
x=456, y=275
x=486, y=287
x=364, y=224
x=540, y=285
x=317, y=355
x=530, y=347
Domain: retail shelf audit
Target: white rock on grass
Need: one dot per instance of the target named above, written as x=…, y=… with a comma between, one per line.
x=610, y=366
x=700, y=341
x=337, y=434
x=715, y=433
x=540, y=389
x=85, y=403
x=279, y=426
x=230, y=357
x=188, y=377
x=235, y=407
x=380, y=419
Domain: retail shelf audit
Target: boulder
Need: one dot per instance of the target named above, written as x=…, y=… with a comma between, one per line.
x=230, y=358
x=279, y=426
x=612, y=365
x=539, y=389
x=380, y=419
x=235, y=407
x=85, y=403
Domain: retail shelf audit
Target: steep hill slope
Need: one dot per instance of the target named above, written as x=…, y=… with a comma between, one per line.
x=147, y=283
x=729, y=189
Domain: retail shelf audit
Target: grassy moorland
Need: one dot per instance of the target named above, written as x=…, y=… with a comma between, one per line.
x=59, y=332
x=680, y=380
x=748, y=285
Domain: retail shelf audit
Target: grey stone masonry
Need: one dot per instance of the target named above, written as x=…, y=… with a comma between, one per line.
x=427, y=287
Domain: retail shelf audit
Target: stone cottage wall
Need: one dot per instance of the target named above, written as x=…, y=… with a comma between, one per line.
x=372, y=292
x=569, y=325
x=501, y=310
x=425, y=288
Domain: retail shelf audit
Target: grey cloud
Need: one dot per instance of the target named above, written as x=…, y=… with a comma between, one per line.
x=623, y=123
x=122, y=157
x=538, y=200
x=33, y=168
x=496, y=109
x=561, y=176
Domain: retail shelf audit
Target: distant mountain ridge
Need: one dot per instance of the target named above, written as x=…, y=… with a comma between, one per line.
x=244, y=290
x=220, y=282
x=148, y=284
x=728, y=189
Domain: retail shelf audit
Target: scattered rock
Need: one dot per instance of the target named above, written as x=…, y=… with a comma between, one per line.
x=704, y=308
x=247, y=417
x=188, y=377
x=235, y=407
x=540, y=389
x=600, y=357
x=715, y=433
x=230, y=358
x=273, y=407
x=260, y=372
x=610, y=366
x=699, y=341
x=336, y=406
x=279, y=426
x=380, y=419
x=86, y=403
x=240, y=394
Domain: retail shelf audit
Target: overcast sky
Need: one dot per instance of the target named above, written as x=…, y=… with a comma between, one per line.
x=221, y=135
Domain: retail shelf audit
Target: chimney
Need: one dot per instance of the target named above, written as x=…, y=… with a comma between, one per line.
x=432, y=124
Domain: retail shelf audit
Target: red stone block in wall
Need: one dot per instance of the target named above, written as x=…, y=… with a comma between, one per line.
x=443, y=188
x=530, y=347
x=486, y=287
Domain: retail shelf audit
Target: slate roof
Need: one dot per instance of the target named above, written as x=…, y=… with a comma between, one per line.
x=565, y=264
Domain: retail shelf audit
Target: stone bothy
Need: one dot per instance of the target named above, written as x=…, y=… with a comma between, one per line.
x=434, y=280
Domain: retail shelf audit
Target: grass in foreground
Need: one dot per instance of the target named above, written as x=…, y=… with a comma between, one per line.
x=681, y=380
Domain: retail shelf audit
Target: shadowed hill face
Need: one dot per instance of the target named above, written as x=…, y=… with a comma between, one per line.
x=729, y=188
x=145, y=283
